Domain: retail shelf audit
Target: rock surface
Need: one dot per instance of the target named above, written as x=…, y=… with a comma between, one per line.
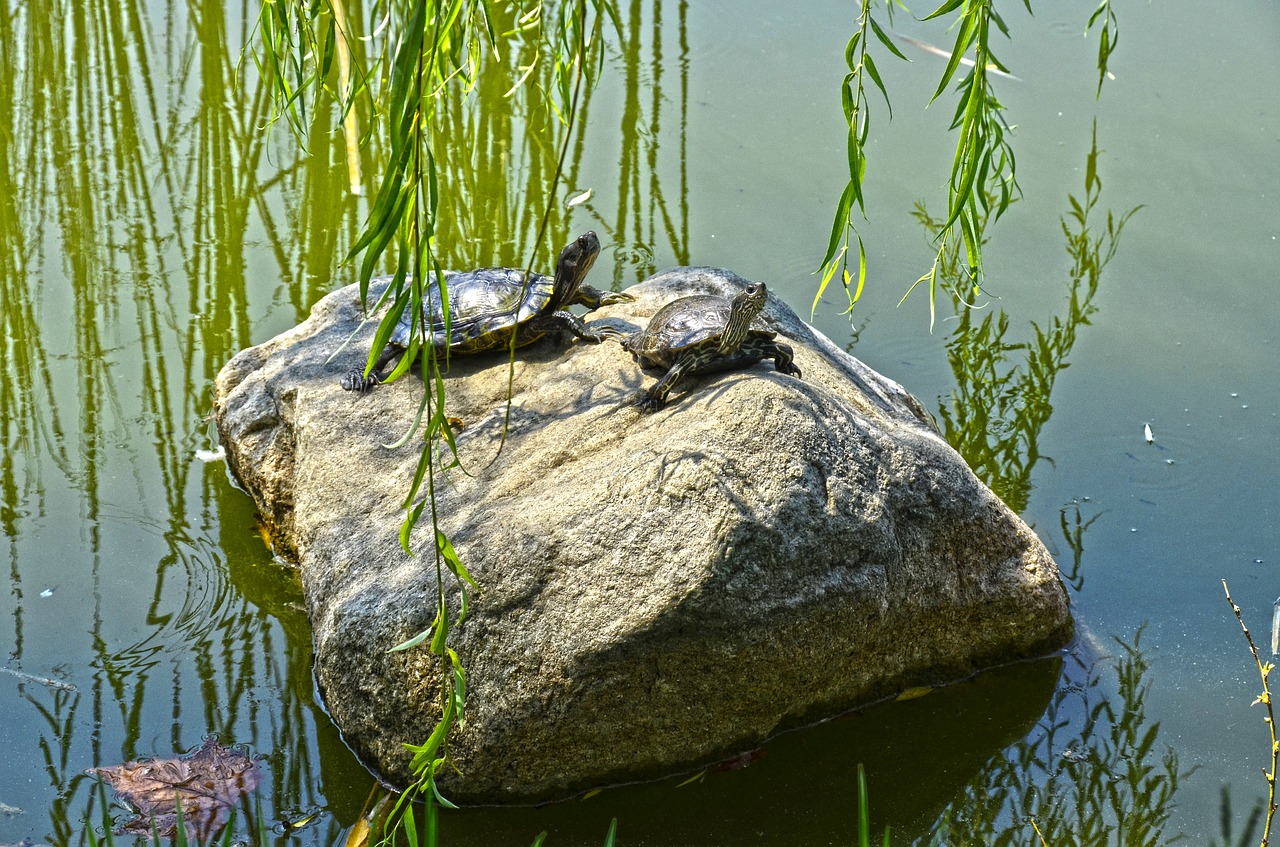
x=657, y=591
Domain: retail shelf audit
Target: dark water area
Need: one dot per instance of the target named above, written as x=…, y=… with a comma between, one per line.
x=150, y=228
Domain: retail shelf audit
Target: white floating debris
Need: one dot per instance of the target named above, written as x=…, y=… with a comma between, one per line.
x=1146, y=431
x=1275, y=627
x=578, y=199
x=48, y=592
x=212, y=455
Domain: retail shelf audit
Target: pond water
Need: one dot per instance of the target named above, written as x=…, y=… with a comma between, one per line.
x=149, y=229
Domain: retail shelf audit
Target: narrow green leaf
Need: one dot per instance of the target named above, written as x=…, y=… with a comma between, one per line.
x=406, y=528
x=964, y=39
x=849, y=50
x=1102, y=9
x=862, y=272
x=875, y=77
x=840, y=222
x=948, y=6
x=425, y=753
x=857, y=166
x=997, y=20
x=440, y=798
x=330, y=47
x=383, y=237
x=441, y=635
x=410, y=643
x=886, y=40
x=826, y=278
x=451, y=558
x=409, y=824
x=864, y=809
x=848, y=104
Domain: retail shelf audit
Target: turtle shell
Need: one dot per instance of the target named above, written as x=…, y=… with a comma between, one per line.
x=688, y=323
x=485, y=307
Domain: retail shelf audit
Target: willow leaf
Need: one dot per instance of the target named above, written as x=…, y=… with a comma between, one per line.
x=841, y=220
x=849, y=50
x=968, y=29
x=870, y=65
x=948, y=6
x=886, y=40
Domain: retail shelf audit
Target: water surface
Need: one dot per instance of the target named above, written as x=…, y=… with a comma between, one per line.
x=149, y=229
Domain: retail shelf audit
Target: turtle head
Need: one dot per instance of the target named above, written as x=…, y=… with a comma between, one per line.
x=744, y=309
x=575, y=261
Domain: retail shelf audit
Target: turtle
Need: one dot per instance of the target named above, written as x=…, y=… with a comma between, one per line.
x=488, y=305
x=706, y=333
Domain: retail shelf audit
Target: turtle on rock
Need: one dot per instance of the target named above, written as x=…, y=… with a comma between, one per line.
x=705, y=333
x=488, y=306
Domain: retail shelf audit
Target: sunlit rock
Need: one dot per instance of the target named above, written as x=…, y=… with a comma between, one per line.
x=657, y=591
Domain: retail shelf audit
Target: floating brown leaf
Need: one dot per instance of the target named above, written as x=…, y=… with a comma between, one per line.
x=208, y=783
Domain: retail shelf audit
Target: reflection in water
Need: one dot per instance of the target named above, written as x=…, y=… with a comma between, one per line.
x=1004, y=388
x=494, y=184
x=148, y=228
x=123, y=218
x=799, y=788
x=648, y=215
x=147, y=224
x=1093, y=772
x=1073, y=530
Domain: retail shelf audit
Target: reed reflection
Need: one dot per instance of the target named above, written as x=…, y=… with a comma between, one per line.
x=498, y=152
x=127, y=213
x=150, y=229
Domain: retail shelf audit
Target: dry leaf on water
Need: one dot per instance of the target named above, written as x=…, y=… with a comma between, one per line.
x=208, y=783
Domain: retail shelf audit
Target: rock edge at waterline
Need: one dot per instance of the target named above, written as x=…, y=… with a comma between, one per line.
x=657, y=591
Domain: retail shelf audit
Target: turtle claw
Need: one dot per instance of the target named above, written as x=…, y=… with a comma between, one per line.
x=609, y=333
x=355, y=381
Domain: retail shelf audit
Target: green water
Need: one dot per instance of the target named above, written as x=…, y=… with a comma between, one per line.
x=149, y=229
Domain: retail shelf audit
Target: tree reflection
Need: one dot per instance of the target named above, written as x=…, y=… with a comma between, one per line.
x=1004, y=388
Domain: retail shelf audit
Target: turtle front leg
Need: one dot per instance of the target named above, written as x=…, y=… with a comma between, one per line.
x=784, y=359
x=656, y=398
x=572, y=323
x=355, y=380
x=594, y=298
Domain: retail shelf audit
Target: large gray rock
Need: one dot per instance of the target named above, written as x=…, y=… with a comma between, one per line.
x=658, y=591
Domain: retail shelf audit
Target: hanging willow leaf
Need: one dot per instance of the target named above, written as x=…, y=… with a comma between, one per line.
x=885, y=39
